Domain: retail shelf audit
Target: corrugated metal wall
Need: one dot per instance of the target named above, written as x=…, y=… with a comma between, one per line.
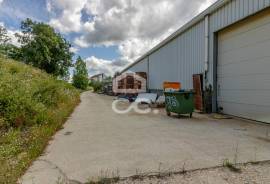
x=179, y=59
x=161, y=65
x=184, y=56
x=228, y=14
x=142, y=66
x=235, y=11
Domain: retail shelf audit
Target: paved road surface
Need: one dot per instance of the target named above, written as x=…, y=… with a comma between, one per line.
x=96, y=141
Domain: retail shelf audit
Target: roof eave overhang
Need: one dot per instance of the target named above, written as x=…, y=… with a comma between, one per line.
x=187, y=26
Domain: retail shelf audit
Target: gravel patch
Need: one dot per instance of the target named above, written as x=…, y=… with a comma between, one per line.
x=249, y=174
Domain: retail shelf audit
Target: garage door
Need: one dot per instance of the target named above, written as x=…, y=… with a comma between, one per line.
x=243, y=69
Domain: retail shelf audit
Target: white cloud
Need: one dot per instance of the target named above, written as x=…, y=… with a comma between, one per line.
x=116, y=21
x=206, y=5
x=13, y=39
x=11, y=34
x=1, y=1
x=96, y=66
x=81, y=43
x=49, y=6
x=70, y=18
x=133, y=48
x=73, y=49
x=134, y=26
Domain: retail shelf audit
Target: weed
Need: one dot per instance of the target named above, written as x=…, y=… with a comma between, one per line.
x=184, y=171
x=105, y=181
x=33, y=106
x=232, y=167
x=255, y=154
x=236, y=154
x=106, y=178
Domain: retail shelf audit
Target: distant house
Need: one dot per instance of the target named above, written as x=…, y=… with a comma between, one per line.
x=98, y=78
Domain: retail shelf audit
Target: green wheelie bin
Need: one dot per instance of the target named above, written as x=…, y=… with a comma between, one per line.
x=180, y=102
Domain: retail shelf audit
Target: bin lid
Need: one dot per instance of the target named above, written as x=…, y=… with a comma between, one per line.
x=179, y=92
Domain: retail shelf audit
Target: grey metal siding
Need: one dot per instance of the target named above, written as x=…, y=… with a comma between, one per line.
x=191, y=54
x=223, y=17
x=162, y=65
x=226, y=15
x=183, y=56
x=179, y=59
x=243, y=68
x=142, y=66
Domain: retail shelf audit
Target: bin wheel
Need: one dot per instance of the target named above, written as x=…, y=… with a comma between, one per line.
x=190, y=115
x=168, y=114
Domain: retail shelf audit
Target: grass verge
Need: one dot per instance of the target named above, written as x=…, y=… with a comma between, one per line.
x=33, y=106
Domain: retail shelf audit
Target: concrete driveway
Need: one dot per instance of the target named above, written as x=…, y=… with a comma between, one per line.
x=98, y=142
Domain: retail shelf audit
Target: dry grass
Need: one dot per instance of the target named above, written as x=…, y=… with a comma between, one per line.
x=33, y=106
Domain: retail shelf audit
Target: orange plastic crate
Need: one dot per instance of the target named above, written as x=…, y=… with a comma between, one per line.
x=172, y=85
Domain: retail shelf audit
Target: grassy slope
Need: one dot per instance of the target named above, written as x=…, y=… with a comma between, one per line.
x=33, y=106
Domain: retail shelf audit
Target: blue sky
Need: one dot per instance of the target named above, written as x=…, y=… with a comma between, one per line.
x=12, y=12
x=108, y=34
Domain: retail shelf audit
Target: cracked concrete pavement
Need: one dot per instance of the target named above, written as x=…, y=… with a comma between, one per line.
x=96, y=141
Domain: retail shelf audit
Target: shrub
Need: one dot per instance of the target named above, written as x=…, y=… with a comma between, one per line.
x=97, y=86
x=80, y=77
x=28, y=95
x=80, y=82
x=33, y=105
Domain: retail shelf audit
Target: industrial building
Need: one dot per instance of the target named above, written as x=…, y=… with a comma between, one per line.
x=98, y=77
x=229, y=44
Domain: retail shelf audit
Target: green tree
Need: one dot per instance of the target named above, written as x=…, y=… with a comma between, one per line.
x=80, y=77
x=3, y=35
x=3, y=40
x=42, y=47
x=11, y=51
